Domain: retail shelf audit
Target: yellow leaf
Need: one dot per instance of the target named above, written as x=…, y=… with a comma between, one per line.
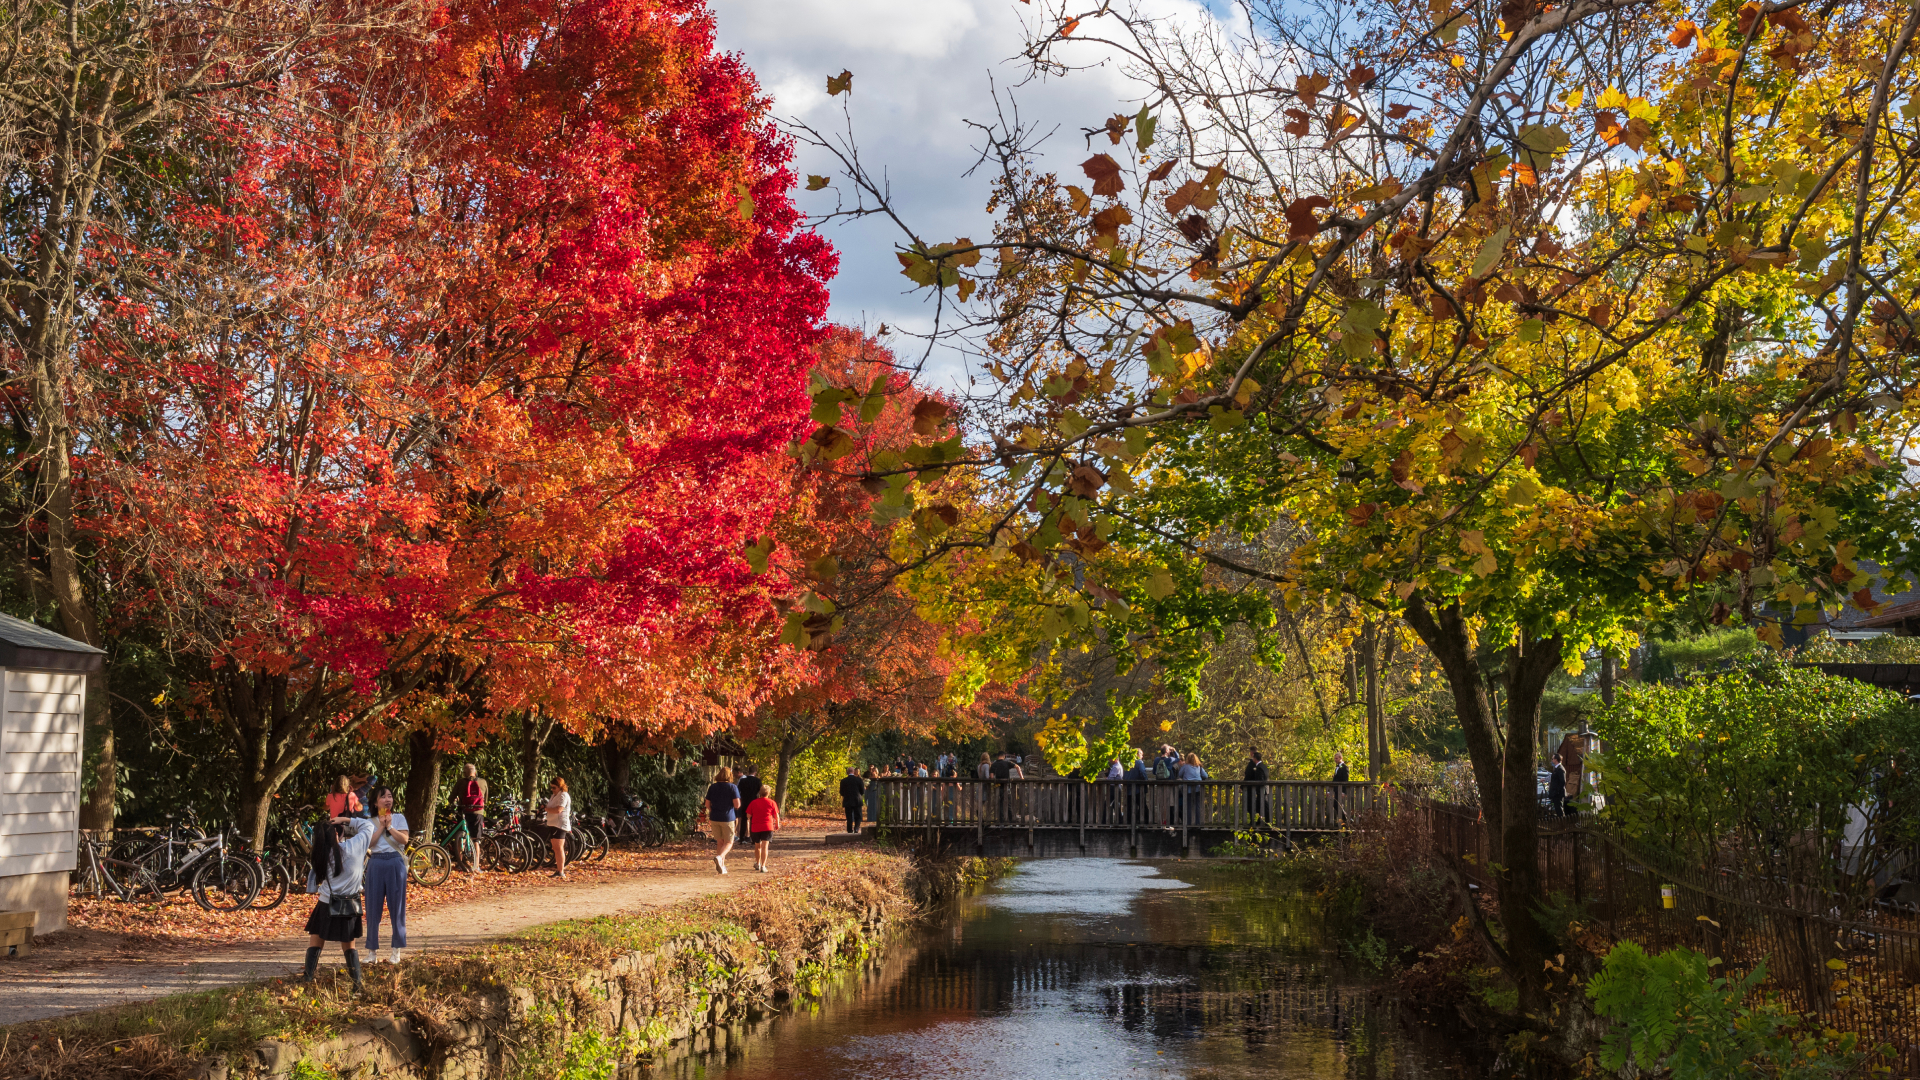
x=1837, y=965
x=1611, y=98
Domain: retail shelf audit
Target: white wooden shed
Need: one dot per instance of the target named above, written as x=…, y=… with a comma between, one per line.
x=44, y=703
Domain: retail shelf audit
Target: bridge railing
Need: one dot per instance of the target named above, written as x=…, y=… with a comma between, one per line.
x=1054, y=803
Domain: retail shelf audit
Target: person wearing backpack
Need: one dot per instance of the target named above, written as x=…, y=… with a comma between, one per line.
x=1166, y=767
x=1137, y=775
x=763, y=820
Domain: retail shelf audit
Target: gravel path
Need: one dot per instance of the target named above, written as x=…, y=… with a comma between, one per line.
x=85, y=970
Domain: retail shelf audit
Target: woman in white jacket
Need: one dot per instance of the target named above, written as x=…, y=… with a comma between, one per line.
x=336, y=875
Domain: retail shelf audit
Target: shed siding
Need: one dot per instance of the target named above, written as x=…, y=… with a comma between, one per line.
x=40, y=770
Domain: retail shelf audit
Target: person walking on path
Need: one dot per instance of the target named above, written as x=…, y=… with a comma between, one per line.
x=1190, y=771
x=1255, y=776
x=470, y=798
x=852, y=797
x=1557, y=789
x=559, y=820
x=336, y=874
x=723, y=805
x=763, y=820
x=387, y=875
x=749, y=785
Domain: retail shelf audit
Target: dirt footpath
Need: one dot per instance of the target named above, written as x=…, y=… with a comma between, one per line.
x=80, y=971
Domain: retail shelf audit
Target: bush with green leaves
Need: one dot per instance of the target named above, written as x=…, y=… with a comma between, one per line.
x=1672, y=1012
x=1886, y=649
x=1764, y=768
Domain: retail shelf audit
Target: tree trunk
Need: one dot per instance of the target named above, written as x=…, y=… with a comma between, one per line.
x=1609, y=674
x=424, y=758
x=1376, y=718
x=1504, y=774
x=789, y=749
x=535, y=728
x=618, y=764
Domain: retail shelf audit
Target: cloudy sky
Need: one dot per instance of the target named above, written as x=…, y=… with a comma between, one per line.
x=921, y=69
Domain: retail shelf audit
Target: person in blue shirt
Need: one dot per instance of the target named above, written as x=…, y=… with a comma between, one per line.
x=1190, y=770
x=723, y=806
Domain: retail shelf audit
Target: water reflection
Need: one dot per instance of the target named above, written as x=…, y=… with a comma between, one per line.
x=1085, y=967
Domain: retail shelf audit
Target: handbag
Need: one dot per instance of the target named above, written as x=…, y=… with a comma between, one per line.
x=344, y=907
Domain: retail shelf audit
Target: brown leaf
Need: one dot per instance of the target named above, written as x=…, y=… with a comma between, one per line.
x=1300, y=220
x=840, y=84
x=1085, y=481
x=1397, y=112
x=1528, y=453
x=1309, y=87
x=1683, y=34
x=1299, y=123
x=1545, y=245
x=1749, y=15
x=1193, y=227
x=1070, y=27
x=1105, y=174
x=1864, y=600
x=928, y=416
x=1359, y=77
x=1027, y=551
x=1360, y=515
x=1401, y=467
x=1636, y=133
x=1182, y=197
x=1510, y=293
x=1607, y=125
x=947, y=513
x=1160, y=171
x=1107, y=223
x=1601, y=313
x=1117, y=127
x=1452, y=446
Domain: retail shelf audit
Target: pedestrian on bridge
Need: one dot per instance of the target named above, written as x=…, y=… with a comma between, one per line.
x=852, y=797
x=1190, y=770
x=1137, y=775
x=985, y=767
x=1255, y=776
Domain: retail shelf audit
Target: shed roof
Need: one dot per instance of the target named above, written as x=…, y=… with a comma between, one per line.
x=24, y=645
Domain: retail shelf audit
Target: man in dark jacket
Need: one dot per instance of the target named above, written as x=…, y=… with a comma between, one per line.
x=853, y=792
x=1255, y=776
x=749, y=785
x=1557, y=789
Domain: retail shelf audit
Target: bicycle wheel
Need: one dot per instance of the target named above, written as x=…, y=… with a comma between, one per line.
x=597, y=843
x=493, y=854
x=649, y=832
x=225, y=882
x=428, y=865
x=275, y=882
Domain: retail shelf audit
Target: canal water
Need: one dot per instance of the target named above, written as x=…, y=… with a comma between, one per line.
x=1075, y=968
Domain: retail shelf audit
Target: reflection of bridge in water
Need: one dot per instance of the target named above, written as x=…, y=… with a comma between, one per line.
x=1165, y=992
x=1118, y=818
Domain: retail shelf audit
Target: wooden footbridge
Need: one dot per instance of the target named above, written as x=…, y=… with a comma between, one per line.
x=1114, y=818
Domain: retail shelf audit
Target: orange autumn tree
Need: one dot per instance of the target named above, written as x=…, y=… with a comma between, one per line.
x=879, y=665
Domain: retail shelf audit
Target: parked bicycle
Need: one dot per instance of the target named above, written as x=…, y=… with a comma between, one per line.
x=185, y=857
x=98, y=874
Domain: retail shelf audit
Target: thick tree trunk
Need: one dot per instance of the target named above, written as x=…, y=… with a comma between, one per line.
x=618, y=764
x=1504, y=773
x=424, y=759
x=1609, y=675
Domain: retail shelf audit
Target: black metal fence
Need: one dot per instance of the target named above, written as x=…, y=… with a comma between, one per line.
x=1857, y=974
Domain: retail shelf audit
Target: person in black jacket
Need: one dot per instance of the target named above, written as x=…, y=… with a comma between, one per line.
x=853, y=792
x=1255, y=775
x=750, y=787
x=1557, y=789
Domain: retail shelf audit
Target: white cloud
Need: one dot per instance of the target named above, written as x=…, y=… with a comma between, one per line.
x=921, y=69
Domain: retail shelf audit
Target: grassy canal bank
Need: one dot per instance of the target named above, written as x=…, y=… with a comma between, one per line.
x=568, y=1000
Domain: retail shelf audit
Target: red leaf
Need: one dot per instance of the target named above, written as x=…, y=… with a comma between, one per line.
x=1105, y=174
x=1300, y=220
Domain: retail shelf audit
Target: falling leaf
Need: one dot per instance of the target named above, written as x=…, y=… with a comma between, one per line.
x=1160, y=172
x=1105, y=174
x=815, y=183
x=1397, y=112
x=840, y=84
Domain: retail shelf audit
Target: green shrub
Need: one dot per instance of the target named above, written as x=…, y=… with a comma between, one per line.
x=1675, y=1014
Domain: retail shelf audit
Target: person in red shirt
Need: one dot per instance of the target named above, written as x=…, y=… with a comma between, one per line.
x=763, y=819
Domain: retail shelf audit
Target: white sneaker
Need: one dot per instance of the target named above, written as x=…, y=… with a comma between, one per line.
x=762, y=869
x=718, y=865
x=373, y=956
x=396, y=955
